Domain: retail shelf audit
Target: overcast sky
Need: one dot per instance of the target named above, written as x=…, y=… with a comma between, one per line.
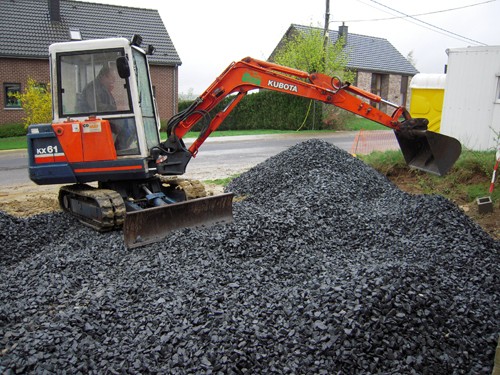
x=208, y=35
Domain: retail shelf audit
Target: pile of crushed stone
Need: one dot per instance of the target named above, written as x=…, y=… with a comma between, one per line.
x=327, y=268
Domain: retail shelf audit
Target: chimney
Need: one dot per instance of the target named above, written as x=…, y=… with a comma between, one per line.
x=343, y=32
x=54, y=10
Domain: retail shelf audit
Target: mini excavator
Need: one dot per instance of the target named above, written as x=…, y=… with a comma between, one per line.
x=105, y=131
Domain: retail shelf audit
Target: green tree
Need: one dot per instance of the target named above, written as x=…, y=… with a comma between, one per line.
x=36, y=102
x=306, y=51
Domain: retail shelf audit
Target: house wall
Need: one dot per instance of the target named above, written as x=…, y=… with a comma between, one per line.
x=18, y=71
x=166, y=83
x=164, y=78
x=390, y=90
x=364, y=80
x=394, y=90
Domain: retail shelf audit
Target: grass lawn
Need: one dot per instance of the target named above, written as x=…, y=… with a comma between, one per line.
x=360, y=123
x=12, y=143
x=232, y=133
x=467, y=180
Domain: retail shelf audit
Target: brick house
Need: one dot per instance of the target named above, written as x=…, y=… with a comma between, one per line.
x=28, y=27
x=378, y=65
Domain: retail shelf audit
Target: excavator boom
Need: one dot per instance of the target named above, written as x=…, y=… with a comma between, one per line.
x=422, y=149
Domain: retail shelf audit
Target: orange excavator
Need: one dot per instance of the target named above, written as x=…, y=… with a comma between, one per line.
x=105, y=132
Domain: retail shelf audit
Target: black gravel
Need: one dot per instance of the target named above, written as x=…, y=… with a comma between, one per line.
x=327, y=269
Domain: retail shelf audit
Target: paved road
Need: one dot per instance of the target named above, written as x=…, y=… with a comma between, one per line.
x=14, y=167
x=219, y=157
x=226, y=157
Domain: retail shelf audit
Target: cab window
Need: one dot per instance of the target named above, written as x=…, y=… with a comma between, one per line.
x=89, y=84
x=146, y=99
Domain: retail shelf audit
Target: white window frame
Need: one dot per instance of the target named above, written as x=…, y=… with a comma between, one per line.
x=497, y=94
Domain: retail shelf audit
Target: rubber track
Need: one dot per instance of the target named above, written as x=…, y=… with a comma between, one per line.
x=110, y=203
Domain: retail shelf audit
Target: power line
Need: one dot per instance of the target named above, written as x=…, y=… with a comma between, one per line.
x=426, y=25
x=416, y=15
x=429, y=24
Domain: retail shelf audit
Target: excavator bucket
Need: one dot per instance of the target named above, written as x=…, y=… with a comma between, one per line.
x=154, y=224
x=428, y=151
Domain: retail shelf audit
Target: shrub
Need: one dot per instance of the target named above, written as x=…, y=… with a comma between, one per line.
x=36, y=102
x=12, y=130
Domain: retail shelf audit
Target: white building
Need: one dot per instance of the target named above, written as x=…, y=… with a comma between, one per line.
x=471, y=107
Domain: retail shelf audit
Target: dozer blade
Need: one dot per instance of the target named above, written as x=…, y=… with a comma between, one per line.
x=428, y=151
x=154, y=224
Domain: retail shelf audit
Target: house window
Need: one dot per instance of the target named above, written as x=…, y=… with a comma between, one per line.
x=355, y=83
x=380, y=87
x=9, y=89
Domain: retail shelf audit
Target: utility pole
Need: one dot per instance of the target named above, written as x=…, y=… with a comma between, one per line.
x=325, y=45
x=325, y=33
x=327, y=21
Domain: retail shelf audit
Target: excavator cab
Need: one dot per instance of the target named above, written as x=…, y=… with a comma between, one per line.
x=105, y=132
x=100, y=83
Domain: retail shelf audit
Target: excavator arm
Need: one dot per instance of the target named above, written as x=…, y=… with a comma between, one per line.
x=422, y=149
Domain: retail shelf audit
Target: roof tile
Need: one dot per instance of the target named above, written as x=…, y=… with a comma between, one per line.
x=26, y=30
x=371, y=53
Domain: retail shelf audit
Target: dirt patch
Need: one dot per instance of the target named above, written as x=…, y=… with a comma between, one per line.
x=29, y=200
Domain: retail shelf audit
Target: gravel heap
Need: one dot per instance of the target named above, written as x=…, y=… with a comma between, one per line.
x=327, y=269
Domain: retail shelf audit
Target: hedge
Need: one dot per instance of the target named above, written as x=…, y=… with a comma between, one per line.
x=12, y=130
x=266, y=110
